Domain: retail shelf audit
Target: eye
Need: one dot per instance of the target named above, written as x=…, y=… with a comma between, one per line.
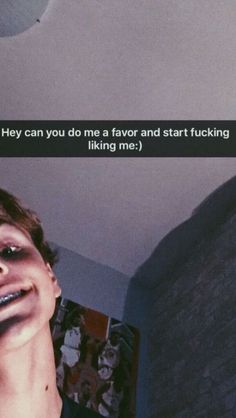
x=110, y=354
x=10, y=251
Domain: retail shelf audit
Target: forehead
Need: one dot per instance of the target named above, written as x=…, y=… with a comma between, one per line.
x=11, y=232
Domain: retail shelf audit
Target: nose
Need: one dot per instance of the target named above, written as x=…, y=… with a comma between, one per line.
x=3, y=268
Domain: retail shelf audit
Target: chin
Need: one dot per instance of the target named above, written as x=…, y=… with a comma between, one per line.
x=17, y=331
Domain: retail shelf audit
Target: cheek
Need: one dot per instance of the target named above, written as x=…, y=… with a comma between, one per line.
x=45, y=307
x=29, y=264
x=33, y=270
x=44, y=288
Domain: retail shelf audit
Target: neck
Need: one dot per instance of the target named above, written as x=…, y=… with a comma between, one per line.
x=28, y=380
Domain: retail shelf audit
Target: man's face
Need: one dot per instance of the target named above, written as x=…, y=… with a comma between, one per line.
x=28, y=289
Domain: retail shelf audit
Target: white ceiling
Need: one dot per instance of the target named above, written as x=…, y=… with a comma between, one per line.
x=121, y=59
x=126, y=59
x=114, y=211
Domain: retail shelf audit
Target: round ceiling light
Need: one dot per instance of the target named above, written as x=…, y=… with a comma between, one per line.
x=16, y=16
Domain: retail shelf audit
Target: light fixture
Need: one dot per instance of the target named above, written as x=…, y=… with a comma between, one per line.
x=18, y=15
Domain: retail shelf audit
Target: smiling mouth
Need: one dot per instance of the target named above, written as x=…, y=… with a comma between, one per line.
x=10, y=297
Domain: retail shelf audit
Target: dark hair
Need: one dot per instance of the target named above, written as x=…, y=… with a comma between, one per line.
x=14, y=213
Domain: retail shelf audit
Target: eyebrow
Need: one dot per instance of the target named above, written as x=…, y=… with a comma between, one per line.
x=12, y=236
x=10, y=240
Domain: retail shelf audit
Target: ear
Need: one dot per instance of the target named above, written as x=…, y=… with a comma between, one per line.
x=56, y=287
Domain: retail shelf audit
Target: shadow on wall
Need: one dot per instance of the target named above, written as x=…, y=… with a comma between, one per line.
x=182, y=299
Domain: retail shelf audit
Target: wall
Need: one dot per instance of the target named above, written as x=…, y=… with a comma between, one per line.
x=91, y=284
x=190, y=322
x=192, y=343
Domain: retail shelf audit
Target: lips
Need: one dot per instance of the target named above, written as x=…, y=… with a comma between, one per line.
x=11, y=296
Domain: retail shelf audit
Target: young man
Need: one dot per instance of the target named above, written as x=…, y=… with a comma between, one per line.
x=28, y=290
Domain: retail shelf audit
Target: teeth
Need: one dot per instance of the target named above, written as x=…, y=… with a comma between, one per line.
x=10, y=297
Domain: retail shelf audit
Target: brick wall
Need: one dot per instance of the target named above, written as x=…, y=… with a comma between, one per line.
x=191, y=330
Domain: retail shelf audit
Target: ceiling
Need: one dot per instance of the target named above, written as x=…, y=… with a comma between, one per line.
x=114, y=211
x=126, y=59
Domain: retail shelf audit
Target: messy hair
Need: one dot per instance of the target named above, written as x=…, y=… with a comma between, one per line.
x=14, y=213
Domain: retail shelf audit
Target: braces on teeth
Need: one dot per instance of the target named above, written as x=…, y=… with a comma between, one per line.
x=10, y=297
